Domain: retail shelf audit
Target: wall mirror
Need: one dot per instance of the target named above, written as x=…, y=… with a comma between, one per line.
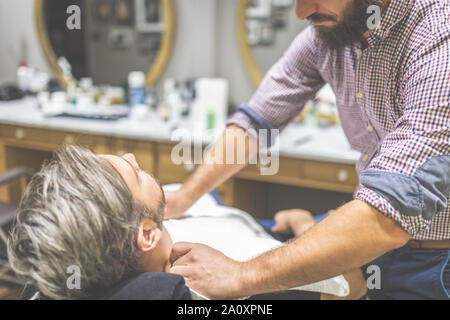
x=115, y=38
x=266, y=28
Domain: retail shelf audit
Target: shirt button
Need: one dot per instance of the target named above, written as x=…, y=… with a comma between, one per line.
x=358, y=53
x=369, y=128
x=359, y=95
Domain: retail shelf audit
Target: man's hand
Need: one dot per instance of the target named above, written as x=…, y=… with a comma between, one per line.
x=177, y=202
x=295, y=221
x=206, y=270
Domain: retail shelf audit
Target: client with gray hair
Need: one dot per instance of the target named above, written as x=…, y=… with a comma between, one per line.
x=104, y=214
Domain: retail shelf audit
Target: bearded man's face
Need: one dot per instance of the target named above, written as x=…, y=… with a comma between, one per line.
x=338, y=22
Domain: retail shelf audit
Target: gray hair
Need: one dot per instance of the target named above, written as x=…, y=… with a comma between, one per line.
x=77, y=211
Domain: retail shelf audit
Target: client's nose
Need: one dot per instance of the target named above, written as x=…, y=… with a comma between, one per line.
x=132, y=159
x=305, y=8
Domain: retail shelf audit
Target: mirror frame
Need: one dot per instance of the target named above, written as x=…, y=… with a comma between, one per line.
x=253, y=70
x=155, y=70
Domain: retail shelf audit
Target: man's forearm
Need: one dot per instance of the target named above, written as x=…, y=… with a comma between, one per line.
x=215, y=168
x=349, y=238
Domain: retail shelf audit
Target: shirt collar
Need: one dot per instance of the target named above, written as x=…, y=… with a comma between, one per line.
x=393, y=15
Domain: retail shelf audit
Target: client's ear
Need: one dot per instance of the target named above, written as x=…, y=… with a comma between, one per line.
x=148, y=235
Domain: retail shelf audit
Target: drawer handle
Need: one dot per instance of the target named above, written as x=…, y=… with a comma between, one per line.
x=20, y=134
x=342, y=175
x=264, y=164
x=69, y=140
x=189, y=167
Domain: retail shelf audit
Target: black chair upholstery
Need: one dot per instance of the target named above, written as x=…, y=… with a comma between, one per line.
x=167, y=286
x=146, y=286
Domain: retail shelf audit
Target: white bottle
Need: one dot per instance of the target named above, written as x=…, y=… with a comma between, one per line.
x=24, y=77
x=210, y=107
x=136, y=82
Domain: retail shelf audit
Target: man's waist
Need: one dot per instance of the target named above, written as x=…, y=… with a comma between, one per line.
x=429, y=244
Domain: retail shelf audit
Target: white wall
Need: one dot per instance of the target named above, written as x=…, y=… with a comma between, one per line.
x=194, y=52
x=229, y=62
x=18, y=38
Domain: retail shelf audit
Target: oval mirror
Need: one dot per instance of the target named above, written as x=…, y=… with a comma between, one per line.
x=106, y=39
x=266, y=28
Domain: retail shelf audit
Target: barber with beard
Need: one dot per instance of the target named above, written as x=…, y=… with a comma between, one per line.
x=392, y=85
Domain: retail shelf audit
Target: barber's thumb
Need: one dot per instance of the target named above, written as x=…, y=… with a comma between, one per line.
x=179, y=250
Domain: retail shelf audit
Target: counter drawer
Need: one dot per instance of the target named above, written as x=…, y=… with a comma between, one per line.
x=45, y=139
x=308, y=173
x=330, y=173
x=287, y=168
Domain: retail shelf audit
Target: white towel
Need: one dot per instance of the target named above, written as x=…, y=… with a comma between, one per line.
x=236, y=234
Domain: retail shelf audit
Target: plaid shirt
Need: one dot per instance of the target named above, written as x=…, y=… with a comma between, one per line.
x=393, y=98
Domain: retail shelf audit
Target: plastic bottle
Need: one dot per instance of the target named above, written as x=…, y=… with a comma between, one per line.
x=136, y=82
x=210, y=107
x=24, y=75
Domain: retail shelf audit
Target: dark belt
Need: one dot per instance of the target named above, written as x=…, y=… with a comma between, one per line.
x=429, y=244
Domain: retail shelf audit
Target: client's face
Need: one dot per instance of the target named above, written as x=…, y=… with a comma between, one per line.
x=153, y=241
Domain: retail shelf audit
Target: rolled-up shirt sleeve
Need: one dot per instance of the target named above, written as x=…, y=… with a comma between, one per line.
x=409, y=179
x=285, y=89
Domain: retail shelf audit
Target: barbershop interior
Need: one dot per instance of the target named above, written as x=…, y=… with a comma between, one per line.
x=108, y=108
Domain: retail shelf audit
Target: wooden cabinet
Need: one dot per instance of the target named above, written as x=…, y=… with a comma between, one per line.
x=308, y=173
x=3, y=190
x=29, y=146
x=49, y=140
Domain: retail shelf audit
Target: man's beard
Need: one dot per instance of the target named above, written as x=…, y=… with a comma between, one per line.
x=352, y=26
